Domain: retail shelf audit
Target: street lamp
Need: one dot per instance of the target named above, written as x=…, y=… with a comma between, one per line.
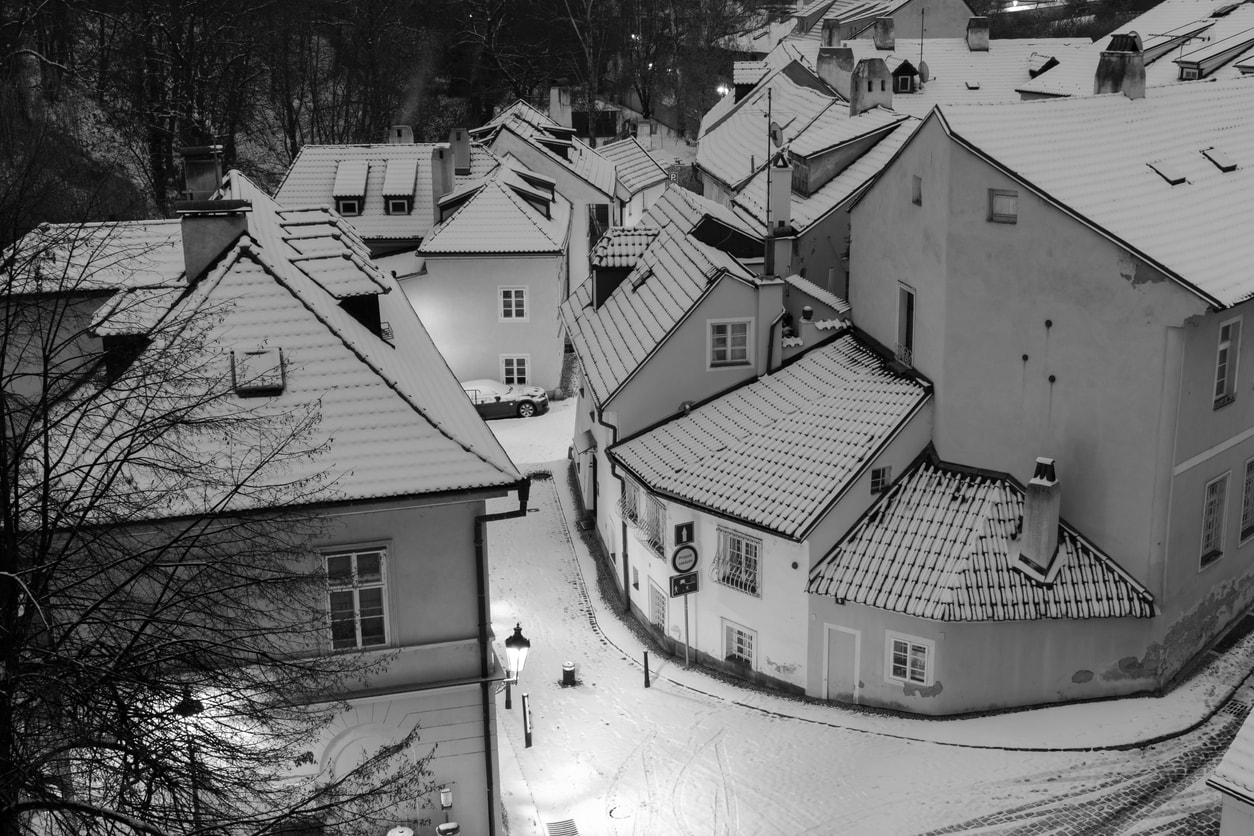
x=187, y=708
x=516, y=648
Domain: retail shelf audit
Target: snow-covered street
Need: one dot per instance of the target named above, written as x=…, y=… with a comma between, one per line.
x=696, y=755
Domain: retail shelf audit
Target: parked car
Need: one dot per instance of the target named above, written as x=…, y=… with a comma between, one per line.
x=494, y=399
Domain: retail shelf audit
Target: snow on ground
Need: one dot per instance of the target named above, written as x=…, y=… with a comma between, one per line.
x=697, y=755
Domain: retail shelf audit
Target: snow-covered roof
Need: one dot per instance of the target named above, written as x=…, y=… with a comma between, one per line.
x=936, y=545
x=779, y=452
x=637, y=170
x=546, y=135
x=320, y=173
x=393, y=421
x=622, y=246
x=1109, y=161
x=96, y=257
x=1235, y=773
x=669, y=277
x=812, y=290
x=1171, y=30
x=501, y=214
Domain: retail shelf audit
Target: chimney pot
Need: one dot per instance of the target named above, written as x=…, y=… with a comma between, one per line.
x=883, y=33
x=807, y=314
x=977, y=34
x=1037, y=545
x=401, y=135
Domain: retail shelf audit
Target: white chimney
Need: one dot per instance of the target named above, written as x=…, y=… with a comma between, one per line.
x=441, y=178
x=977, y=34
x=401, y=135
x=779, y=204
x=883, y=33
x=1035, y=549
x=459, y=141
x=835, y=67
x=1121, y=69
x=871, y=85
x=560, y=106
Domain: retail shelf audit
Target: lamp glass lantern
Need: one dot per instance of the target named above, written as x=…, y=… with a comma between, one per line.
x=446, y=798
x=516, y=648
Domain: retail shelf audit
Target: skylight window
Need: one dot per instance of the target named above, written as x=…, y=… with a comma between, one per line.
x=1168, y=172
x=258, y=372
x=1221, y=160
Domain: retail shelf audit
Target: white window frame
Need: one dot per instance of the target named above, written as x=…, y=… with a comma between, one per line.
x=881, y=478
x=658, y=601
x=1000, y=215
x=1212, y=534
x=511, y=300
x=398, y=205
x=891, y=641
x=355, y=587
x=738, y=561
x=729, y=628
x=903, y=84
x=1227, y=359
x=1247, y=504
x=511, y=378
x=1189, y=74
x=729, y=362
x=342, y=205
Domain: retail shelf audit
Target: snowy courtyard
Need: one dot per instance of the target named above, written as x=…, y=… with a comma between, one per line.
x=694, y=754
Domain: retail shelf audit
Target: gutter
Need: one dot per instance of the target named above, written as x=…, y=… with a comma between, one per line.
x=622, y=520
x=485, y=632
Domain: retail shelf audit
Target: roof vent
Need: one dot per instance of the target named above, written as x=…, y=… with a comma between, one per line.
x=258, y=372
x=1168, y=172
x=1221, y=160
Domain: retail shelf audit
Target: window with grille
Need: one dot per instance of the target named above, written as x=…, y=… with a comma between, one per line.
x=1226, y=363
x=1247, y=502
x=515, y=370
x=909, y=660
x=738, y=562
x=657, y=606
x=739, y=644
x=514, y=304
x=356, y=591
x=729, y=343
x=648, y=513
x=1213, y=509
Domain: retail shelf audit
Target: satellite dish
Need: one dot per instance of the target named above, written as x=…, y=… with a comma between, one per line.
x=924, y=72
x=777, y=134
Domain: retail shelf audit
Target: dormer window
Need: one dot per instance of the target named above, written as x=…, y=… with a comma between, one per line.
x=399, y=205
x=1189, y=74
x=903, y=84
x=258, y=373
x=348, y=205
x=349, y=190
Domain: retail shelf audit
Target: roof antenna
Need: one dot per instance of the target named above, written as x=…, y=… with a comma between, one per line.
x=922, y=35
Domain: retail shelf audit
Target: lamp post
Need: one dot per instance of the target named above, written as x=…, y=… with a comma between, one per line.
x=516, y=648
x=187, y=708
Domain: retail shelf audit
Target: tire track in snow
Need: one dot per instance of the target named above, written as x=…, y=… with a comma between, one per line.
x=629, y=806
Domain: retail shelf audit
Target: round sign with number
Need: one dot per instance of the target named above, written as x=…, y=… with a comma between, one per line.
x=684, y=559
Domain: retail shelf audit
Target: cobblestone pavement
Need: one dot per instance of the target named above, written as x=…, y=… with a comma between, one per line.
x=1156, y=790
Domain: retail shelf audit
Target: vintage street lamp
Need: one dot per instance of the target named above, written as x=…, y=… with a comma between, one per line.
x=187, y=708
x=516, y=647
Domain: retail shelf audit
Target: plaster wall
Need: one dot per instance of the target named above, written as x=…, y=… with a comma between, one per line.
x=980, y=666
x=458, y=300
x=818, y=253
x=1237, y=818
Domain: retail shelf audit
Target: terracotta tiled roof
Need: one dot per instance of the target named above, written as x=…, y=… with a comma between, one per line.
x=497, y=217
x=1235, y=773
x=314, y=177
x=778, y=452
x=1092, y=156
x=936, y=546
x=636, y=169
x=668, y=279
x=622, y=246
x=1171, y=29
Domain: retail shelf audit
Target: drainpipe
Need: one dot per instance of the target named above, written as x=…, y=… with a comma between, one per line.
x=772, y=342
x=622, y=521
x=485, y=629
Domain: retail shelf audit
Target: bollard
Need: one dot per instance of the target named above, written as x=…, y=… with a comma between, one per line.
x=526, y=708
x=646, y=669
x=568, y=674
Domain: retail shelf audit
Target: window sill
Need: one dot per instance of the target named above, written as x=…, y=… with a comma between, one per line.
x=1210, y=557
x=1223, y=401
x=737, y=365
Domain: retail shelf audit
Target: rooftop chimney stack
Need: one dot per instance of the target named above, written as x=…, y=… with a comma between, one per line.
x=209, y=229
x=977, y=34
x=1121, y=68
x=831, y=32
x=883, y=34
x=1036, y=548
x=441, y=178
x=779, y=204
x=871, y=85
x=835, y=68
x=202, y=171
x=459, y=141
x=401, y=135
x=559, y=104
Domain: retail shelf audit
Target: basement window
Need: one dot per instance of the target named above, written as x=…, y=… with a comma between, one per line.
x=258, y=373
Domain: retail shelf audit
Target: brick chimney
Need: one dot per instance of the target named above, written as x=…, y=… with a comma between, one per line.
x=977, y=34
x=831, y=32
x=779, y=202
x=401, y=135
x=1035, y=549
x=459, y=141
x=441, y=178
x=202, y=171
x=883, y=33
x=209, y=229
x=1121, y=69
x=871, y=85
x=835, y=67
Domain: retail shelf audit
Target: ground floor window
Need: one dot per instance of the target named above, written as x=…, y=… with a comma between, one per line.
x=657, y=606
x=515, y=369
x=740, y=644
x=909, y=659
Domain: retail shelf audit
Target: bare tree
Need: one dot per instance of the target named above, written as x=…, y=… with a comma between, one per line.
x=160, y=605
